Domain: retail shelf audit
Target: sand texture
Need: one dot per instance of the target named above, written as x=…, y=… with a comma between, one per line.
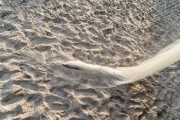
x=37, y=36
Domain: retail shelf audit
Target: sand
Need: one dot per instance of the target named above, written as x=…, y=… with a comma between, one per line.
x=36, y=37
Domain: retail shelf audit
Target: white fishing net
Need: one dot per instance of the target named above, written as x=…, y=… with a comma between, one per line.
x=114, y=42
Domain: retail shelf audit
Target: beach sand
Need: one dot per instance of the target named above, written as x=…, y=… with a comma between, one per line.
x=36, y=36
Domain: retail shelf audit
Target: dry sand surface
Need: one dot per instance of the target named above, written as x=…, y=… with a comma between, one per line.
x=36, y=36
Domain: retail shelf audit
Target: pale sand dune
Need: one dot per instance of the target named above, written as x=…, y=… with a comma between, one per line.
x=38, y=36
